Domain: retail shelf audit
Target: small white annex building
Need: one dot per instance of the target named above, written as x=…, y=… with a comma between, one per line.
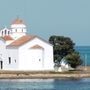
x=19, y=51
x=64, y=66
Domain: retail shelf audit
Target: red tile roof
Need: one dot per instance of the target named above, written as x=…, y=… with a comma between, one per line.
x=7, y=38
x=37, y=47
x=22, y=40
x=18, y=21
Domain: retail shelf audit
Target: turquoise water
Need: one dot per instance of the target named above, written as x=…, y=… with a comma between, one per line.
x=45, y=84
x=84, y=52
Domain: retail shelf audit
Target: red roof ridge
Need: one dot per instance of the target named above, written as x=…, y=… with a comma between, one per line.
x=22, y=40
x=18, y=21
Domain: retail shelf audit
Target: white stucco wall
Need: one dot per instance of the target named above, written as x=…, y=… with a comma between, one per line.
x=3, y=53
x=17, y=35
x=27, y=58
x=13, y=54
x=47, y=55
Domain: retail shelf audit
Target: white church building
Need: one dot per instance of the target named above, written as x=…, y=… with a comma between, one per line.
x=19, y=51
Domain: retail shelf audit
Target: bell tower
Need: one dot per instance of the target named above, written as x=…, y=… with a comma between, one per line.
x=18, y=28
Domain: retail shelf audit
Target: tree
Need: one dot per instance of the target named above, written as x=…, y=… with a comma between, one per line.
x=74, y=59
x=63, y=46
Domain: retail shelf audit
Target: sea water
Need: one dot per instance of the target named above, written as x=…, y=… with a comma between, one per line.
x=85, y=54
x=45, y=84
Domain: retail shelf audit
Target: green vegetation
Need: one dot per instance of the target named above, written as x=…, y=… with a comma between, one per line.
x=64, y=48
x=74, y=59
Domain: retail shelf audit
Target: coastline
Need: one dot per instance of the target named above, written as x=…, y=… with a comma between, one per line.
x=79, y=73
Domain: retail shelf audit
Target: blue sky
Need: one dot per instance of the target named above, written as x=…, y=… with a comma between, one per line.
x=50, y=17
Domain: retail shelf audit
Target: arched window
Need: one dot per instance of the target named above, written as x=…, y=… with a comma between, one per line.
x=2, y=33
x=5, y=32
x=22, y=30
x=8, y=32
x=16, y=30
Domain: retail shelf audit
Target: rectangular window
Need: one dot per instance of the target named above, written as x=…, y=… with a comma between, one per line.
x=9, y=60
x=15, y=60
x=1, y=64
